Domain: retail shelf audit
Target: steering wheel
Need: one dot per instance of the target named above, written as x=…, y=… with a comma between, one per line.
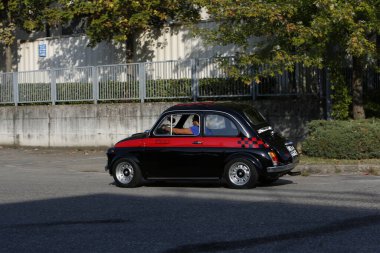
x=162, y=130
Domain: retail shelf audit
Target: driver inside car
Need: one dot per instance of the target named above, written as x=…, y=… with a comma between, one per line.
x=193, y=130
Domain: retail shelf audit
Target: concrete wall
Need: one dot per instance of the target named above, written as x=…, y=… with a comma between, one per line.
x=105, y=124
x=75, y=125
x=289, y=116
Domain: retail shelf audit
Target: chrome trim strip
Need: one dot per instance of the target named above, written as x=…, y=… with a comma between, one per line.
x=264, y=129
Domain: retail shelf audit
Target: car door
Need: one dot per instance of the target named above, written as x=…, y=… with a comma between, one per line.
x=170, y=155
x=221, y=138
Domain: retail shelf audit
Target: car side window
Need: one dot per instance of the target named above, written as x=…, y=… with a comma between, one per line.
x=178, y=124
x=218, y=125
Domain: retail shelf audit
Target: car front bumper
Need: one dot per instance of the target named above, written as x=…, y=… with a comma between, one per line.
x=110, y=155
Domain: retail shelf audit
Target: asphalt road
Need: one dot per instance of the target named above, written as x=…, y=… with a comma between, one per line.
x=63, y=201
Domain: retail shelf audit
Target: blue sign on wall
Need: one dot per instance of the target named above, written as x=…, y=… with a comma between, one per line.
x=42, y=50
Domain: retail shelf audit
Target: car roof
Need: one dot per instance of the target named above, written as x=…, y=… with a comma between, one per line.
x=229, y=107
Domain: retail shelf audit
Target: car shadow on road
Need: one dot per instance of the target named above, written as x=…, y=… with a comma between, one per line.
x=185, y=221
x=205, y=184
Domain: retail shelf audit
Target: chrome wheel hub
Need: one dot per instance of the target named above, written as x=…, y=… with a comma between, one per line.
x=124, y=172
x=239, y=173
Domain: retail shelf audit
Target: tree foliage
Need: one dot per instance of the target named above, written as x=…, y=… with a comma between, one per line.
x=28, y=15
x=105, y=20
x=322, y=33
x=22, y=15
x=120, y=20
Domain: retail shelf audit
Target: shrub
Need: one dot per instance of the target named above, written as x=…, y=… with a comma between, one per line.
x=74, y=91
x=222, y=86
x=341, y=99
x=30, y=92
x=115, y=90
x=166, y=88
x=340, y=95
x=343, y=139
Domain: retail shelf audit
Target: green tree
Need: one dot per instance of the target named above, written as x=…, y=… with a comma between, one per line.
x=27, y=15
x=122, y=20
x=106, y=20
x=281, y=33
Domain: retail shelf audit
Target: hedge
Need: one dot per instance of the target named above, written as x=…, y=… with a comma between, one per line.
x=162, y=88
x=343, y=139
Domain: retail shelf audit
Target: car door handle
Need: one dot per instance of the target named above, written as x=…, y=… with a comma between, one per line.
x=197, y=142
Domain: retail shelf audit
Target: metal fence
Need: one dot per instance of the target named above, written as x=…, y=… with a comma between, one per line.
x=6, y=88
x=188, y=79
x=167, y=79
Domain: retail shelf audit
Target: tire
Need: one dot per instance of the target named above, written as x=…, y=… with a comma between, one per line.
x=240, y=173
x=126, y=173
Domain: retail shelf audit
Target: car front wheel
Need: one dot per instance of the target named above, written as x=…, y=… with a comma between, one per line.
x=126, y=173
x=240, y=174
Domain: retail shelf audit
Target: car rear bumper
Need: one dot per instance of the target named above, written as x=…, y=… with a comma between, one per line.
x=283, y=168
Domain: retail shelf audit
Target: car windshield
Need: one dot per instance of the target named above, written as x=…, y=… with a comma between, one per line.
x=254, y=116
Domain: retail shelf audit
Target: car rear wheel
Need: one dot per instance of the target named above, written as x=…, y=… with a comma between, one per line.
x=240, y=174
x=126, y=173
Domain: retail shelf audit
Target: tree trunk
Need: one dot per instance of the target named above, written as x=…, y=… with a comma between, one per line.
x=8, y=59
x=357, y=90
x=10, y=44
x=130, y=48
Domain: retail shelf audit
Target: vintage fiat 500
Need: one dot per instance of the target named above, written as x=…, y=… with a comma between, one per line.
x=224, y=141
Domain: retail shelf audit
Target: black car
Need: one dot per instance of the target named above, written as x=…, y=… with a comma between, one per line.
x=203, y=141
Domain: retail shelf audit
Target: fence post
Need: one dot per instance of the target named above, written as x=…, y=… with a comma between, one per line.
x=15, y=88
x=142, y=82
x=194, y=79
x=95, y=84
x=53, y=88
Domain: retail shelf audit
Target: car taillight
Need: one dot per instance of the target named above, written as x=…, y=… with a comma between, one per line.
x=274, y=158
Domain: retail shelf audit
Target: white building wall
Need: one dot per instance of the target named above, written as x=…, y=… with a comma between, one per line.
x=173, y=43
x=65, y=52
x=177, y=43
